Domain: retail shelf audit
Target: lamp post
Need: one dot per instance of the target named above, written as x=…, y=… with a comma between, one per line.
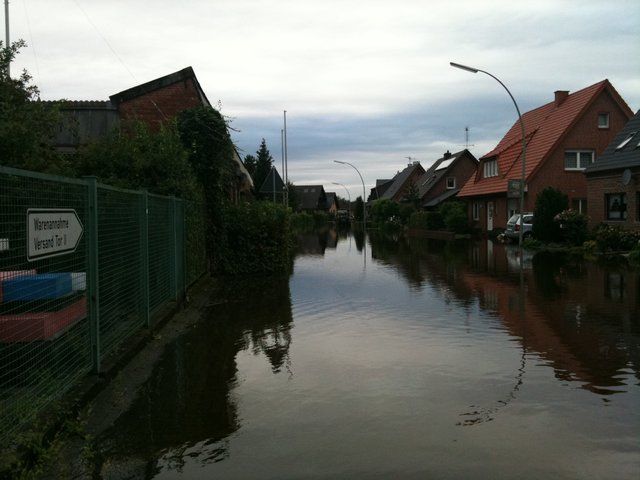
x=364, y=207
x=348, y=194
x=524, y=146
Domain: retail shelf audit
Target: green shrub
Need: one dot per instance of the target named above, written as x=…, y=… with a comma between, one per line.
x=454, y=216
x=531, y=244
x=611, y=238
x=320, y=217
x=384, y=211
x=257, y=240
x=418, y=220
x=634, y=255
x=405, y=210
x=573, y=226
x=589, y=247
x=301, y=220
x=549, y=203
x=434, y=221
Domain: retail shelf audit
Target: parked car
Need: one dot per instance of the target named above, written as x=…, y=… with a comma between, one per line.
x=513, y=226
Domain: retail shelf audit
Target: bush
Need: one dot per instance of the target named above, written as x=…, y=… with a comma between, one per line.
x=610, y=238
x=634, y=255
x=454, y=216
x=405, y=210
x=301, y=220
x=435, y=221
x=531, y=244
x=418, y=220
x=573, y=226
x=257, y=240
x=549, y=203
x=320, y=218
x=384, y=211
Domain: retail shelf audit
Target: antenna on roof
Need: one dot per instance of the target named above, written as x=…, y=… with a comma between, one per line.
x=466, y=138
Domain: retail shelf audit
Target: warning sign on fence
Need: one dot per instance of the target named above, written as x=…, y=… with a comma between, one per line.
x=52, y=232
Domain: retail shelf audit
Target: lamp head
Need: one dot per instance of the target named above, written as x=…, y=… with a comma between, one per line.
x=463, y=67
x=338, y=161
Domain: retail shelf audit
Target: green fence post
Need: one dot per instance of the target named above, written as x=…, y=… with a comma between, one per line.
x=144, y=258
x=174, y=265
x=93, y=288
x=184, y=249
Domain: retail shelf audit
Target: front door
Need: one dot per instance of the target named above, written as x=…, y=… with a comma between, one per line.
x=489, y=216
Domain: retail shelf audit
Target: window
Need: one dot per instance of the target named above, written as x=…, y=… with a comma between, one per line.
x=579, y=205
x=451, y=183
x=603, y=120
x=626, y=140
x=490, y=168
x=577, y=159
x=476, y=210
x=616, y=206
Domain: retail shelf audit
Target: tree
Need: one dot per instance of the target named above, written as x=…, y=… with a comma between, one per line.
x=358, y=211
x=27, y=125
x=293, y=196
x=264, y=162
x=413, y=195
x=549, y=203
x=250, y=165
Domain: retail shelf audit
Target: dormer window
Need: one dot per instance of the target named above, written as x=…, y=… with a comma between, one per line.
x=626, y=141
x=451, y=183
x=603, y=120
x=490, y=168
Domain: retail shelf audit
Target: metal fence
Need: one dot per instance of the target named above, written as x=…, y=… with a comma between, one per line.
x=82, y=267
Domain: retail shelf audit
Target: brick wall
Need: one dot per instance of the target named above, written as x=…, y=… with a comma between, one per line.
x=611, y=182
x=584, y=135
x=158, y=106
x=461, y=170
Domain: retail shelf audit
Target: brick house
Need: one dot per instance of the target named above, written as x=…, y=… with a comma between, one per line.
x=445, y=178
x=311, y=198
x=397, y=188
x=154, y=103
x=613, y=180
x=563, y=137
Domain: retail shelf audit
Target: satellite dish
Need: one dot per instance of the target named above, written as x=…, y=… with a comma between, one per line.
x=626, y=177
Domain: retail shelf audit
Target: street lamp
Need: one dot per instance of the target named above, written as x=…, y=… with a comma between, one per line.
x=524, y=146
x=348, y=194
x=364, y=207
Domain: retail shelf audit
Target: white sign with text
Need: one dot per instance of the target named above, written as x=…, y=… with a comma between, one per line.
x=52, y=232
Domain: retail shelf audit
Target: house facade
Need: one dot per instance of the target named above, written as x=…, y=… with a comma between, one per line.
x=613, y=180
x=397, y=188
x=311, y=198
x=445, y=178
x=563, y=138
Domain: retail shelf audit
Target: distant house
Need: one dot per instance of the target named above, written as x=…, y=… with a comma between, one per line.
x=154, y=103
x=273, y=187
x=331, y=203
x=444, y=179
x=381, y=186
x=311, y=198
x=613, y=180
x=397, y=188
x=563, y=138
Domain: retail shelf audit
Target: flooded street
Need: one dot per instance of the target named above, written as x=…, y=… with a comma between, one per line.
x=398, y=359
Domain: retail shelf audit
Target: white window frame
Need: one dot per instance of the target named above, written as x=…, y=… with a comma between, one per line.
x=490, y=168
x=579, y=165
x=603, y=115
x=451, y=187
x=475, y=210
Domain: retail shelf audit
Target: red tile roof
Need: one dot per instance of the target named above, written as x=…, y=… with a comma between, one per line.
x=544, y=128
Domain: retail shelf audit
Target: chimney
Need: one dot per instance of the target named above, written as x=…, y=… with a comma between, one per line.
x=447, y=155
x=561, y=96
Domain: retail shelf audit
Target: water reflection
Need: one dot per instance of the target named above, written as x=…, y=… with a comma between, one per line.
x=580, y=317
x=187, y=409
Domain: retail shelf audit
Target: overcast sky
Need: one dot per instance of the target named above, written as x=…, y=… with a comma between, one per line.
x=367, y=82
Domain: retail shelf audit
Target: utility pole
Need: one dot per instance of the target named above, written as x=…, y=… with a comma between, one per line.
x=6, y=31
x=286, y=160
x=284, y=186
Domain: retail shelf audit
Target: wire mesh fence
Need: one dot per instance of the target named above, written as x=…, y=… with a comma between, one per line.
x=82, y=267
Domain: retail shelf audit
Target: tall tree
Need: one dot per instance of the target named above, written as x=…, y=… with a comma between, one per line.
x=27, y=125
x=250, y=165
x=413, y=195
x=264, y=162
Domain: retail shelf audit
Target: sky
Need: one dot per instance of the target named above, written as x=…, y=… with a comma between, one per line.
x=366, y=82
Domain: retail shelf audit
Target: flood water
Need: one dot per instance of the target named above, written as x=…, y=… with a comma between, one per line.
x=399, y=359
